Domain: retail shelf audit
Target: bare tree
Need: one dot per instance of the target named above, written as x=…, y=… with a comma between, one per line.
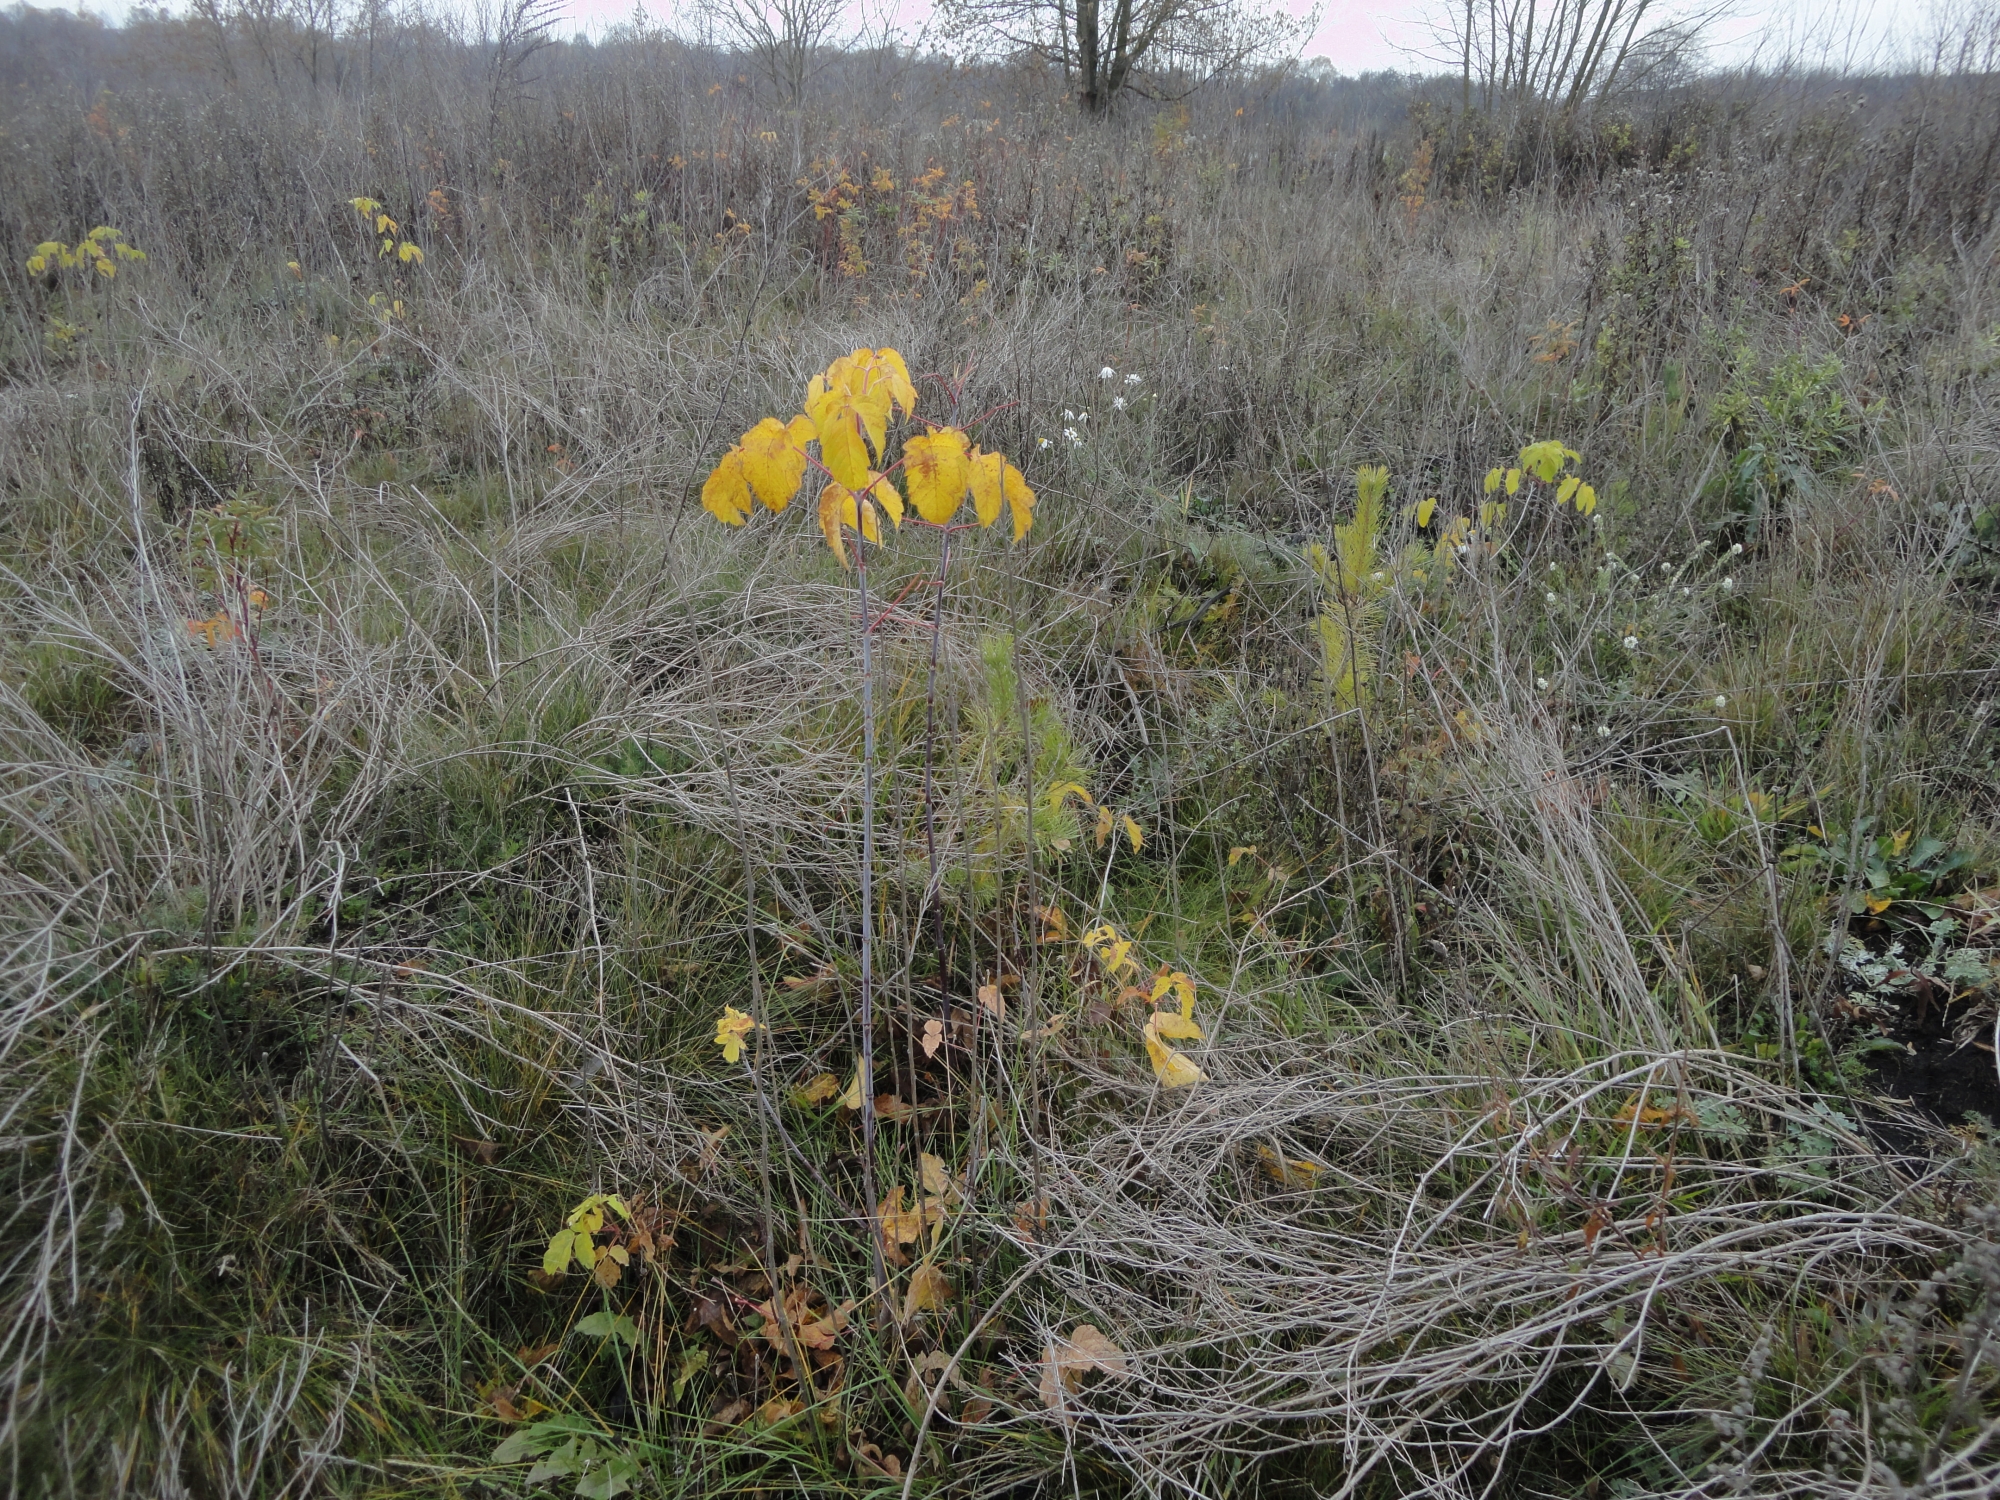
x=1105, y=47
x=784, y=38
x=1565, y=52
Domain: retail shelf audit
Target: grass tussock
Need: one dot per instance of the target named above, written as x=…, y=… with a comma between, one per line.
x=1589, y=916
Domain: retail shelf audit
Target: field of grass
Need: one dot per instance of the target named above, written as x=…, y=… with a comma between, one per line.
x=1592, y=919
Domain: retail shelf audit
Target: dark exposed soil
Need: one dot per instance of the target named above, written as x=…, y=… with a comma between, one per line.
x=1940, y=1077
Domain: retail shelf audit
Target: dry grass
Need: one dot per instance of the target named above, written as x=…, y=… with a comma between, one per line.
x=345, y=951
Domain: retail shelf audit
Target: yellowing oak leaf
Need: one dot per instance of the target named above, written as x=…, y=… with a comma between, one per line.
x=726, y=494
x=1170, y=1066
x=774, y=459
x=1065, y=1363
x=730, y=1030
x=937, y=468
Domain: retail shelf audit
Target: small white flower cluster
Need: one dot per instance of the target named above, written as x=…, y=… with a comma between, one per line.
x=1118, y=403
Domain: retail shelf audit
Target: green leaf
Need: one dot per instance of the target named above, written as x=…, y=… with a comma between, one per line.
x=612, y=1477
x=556, y=1257
x=609, y=1325
x=567, y=1459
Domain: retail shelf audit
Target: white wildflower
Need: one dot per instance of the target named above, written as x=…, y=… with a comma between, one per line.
x=1133, y=378
x=1552, y=596
x=1542, y=683
x=1107, y=373
x=1735, y=549
x=1604, y=731
x=1631, y=643
x=1118, y=403
x=1041, y=443
x=1075, y=437
x=1721, y=700
x=1729, y=585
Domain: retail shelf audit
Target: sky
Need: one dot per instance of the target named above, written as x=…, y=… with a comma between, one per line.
x=1360, y=36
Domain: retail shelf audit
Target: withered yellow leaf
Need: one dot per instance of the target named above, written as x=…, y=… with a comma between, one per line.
x=774, y=459
x=928, y=1291
x=851, y=1098
x=937, y=469
x=816, y=1090
x=725, y=494
x=1104, y=816
x=1288, y=1172
x=938, y=1181
x=1170, y=1066
x=992, y=1002
x=1172, y=1025
x=1133, y=832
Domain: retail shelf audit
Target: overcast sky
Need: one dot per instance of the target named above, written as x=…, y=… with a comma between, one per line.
x=1359, y=36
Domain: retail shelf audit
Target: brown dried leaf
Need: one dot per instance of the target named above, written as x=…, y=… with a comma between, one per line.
x=1065, y=1363
x=933, y=1037
x=928, y=1291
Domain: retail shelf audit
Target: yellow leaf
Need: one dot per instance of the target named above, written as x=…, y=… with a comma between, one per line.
x=555, y=1260
x=1103, y=825
x=936, y=470
x=838, y=510
x=363, y=206
x=897, y=375
x=1493, y=478
x=1020, y=499
x=886, y=495
x=851, y=1099
x=817, y=1091
x=988, y=485
x=105, y=268
x=1065, y=1363
x=408, y=253
x=1513, y=481
x=1133, y=833
x=774, y=459
x=725, y=494
x=1171, y=1067
x=1174, y=982
x=584, y=1251
x=1566, y=489
x=1425, y=509
x=1239, y=851
x=1064, y=789
x=1586, y=500
x=730, y=1030
x=1174, y=1025
x=1288, y=1172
